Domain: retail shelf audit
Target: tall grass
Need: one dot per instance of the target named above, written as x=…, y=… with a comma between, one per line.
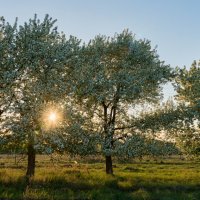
x=66, y=180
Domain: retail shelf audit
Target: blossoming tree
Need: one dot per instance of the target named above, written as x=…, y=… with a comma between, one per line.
x=111, y=75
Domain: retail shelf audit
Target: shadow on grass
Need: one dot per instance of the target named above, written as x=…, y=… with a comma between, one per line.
x=81, y=187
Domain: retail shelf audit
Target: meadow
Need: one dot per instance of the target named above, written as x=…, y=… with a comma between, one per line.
x=69, y=178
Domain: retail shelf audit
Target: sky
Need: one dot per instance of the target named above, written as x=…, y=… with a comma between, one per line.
x=171, y=25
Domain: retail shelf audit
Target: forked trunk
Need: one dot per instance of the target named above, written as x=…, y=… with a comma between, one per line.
x=109, y=167
x=31, y=161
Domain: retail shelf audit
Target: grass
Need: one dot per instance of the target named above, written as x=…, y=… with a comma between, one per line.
x=168, y=180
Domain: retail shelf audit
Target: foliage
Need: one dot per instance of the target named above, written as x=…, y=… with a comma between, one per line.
x=141, y=145
x=41, y=58
x=7, y=68
x=188, y=92
x=110, y=75
x=179, y=121
x=187, y=85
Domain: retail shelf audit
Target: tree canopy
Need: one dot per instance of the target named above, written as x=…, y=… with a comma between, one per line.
x=112, y=74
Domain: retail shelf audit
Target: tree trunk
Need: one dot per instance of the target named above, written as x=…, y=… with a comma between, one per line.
x=109, y=167
x=31, y=161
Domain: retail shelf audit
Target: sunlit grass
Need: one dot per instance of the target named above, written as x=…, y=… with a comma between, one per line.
x=67, y=180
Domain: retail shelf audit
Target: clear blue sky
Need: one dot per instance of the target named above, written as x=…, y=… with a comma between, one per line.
x=173, y=25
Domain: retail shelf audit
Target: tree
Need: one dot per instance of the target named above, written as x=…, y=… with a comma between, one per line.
x=181, y=121
x=187, y=85
x=8, y=74
x=110, y=75
x=7, y=33
x=42, y=59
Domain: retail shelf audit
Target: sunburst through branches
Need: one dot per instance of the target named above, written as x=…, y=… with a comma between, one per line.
x=51, y=117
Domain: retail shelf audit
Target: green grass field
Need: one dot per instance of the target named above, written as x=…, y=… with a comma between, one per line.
x=166, y=180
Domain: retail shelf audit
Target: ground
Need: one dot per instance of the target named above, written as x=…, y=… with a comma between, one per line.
x=62, y=179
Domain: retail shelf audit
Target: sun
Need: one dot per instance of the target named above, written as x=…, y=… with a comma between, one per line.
x=52, y=116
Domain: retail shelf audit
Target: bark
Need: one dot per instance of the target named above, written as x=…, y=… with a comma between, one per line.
x=109, y=167
x=31, y=161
